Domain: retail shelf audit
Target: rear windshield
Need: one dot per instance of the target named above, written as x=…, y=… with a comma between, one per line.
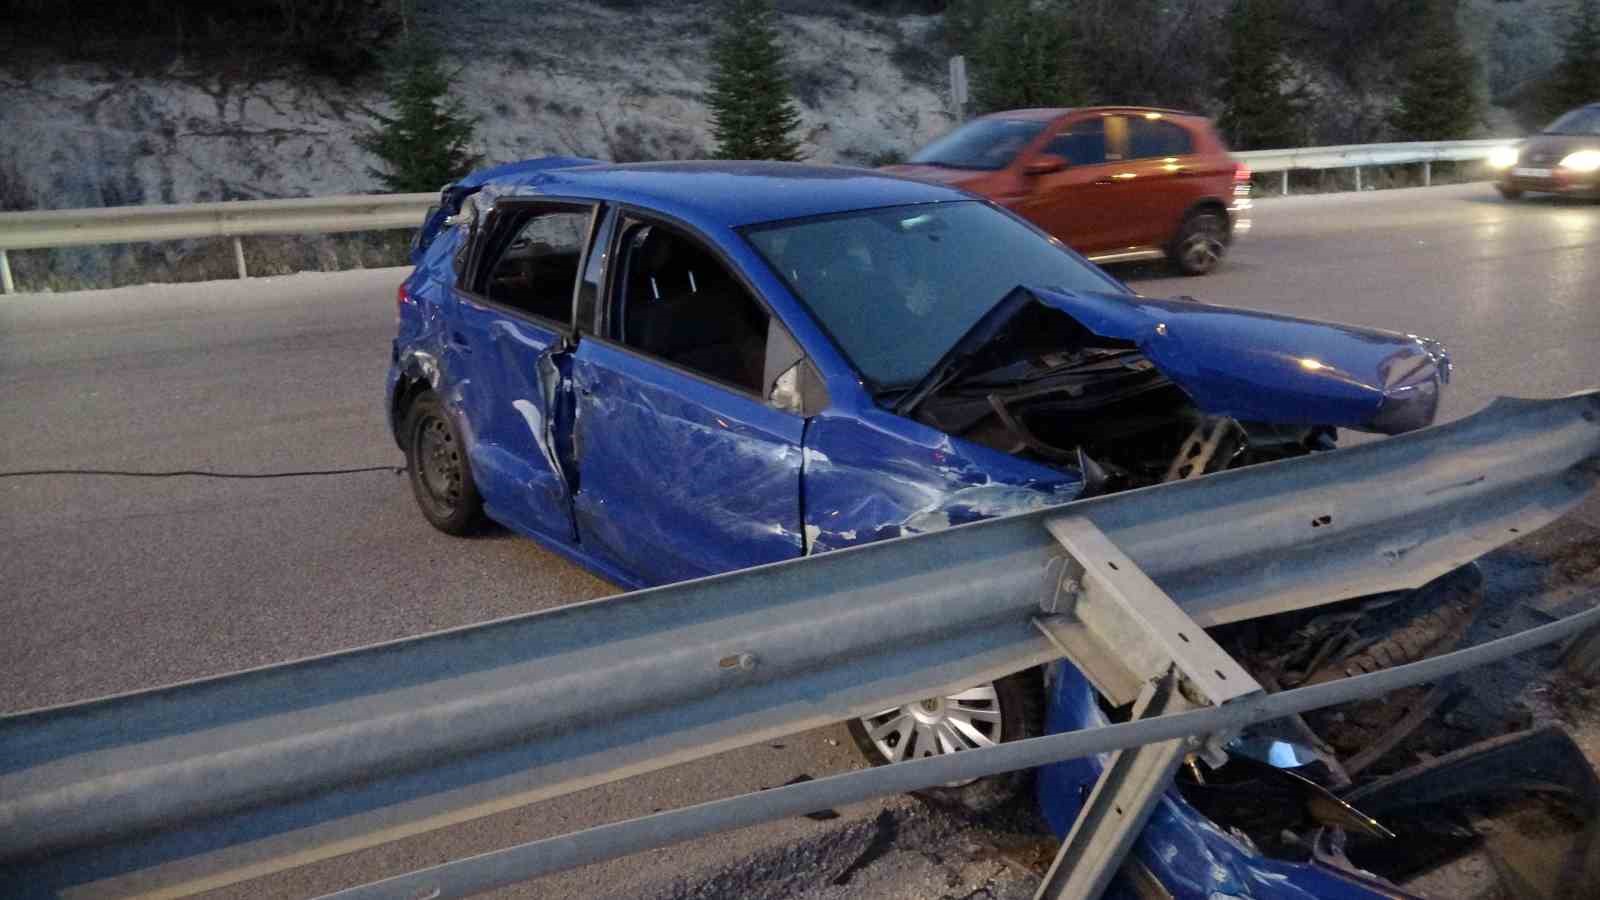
x=897, y=287
x=980, y=144
x=1584, y=121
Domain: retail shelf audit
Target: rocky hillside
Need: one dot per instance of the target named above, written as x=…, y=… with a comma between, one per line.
x=614, y=79
x=552, y=77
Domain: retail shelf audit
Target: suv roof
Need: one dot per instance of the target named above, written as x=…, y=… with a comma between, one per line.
x=1051, y=112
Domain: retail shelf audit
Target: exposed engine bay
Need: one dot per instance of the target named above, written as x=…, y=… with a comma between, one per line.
x=1047, y=389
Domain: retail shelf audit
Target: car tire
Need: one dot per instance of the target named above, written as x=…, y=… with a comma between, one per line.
x=1200, y=244
x=1019, y=701
x=1510, y=193
x=437, y=466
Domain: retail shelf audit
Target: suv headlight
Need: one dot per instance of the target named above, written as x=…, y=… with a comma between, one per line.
x=1582, y=161
x=1503, y=157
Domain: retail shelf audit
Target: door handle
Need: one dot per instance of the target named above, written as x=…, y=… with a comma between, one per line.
x=1104, y=181
x=460, y=342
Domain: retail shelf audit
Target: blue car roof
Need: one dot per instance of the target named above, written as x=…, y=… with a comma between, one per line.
x=731, y=194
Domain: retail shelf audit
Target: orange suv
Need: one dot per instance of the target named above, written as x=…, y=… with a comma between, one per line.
x=1117, y=184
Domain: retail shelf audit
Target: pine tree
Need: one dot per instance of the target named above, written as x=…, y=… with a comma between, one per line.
x=425, y=143
x=1020, y=54
x=1576, y=80
x=1438, y=93
x=753, y=114
x=1263, y=110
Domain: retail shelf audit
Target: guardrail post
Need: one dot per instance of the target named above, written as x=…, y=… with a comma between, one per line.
x=238, y=256
x=1134, y=643
x=1285, y=191
x=1427, y=173
x=5, y=273
x=1358, y=179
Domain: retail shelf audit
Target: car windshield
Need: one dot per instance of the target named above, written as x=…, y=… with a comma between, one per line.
x=1584, y=121
x=980, y=144
x=897, y=287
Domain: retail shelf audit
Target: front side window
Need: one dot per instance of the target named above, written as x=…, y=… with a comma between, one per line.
x=897, y=287
x=537, y=268
x=980, y=144
x=1149, y=138
x=676, y=300
x=1081, y=143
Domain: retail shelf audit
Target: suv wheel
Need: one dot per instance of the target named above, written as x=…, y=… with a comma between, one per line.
x=436, y=461
x=1200, y=243
x=1008, y=709
x=1510, y=193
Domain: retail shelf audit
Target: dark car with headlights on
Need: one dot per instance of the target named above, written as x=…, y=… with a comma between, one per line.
x=1562, y=159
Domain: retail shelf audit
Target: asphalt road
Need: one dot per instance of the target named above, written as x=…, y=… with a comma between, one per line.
x=110, y=584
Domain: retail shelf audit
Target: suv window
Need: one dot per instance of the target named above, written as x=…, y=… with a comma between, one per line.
x=538, y=269
x=677, y=301
x=1154, y=137
x=980, y=144
x=1081, y=143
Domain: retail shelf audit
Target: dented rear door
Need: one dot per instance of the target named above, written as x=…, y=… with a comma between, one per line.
x=513, y=404
x=514, y=332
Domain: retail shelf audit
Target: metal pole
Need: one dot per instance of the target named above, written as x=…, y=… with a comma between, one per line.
x=1358, y=179
x=238, y=256
x=5, y=273
x=1285, y=182
x=1427, y=173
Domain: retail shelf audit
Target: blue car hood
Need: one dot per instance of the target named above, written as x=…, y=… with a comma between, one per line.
x=1263, y=367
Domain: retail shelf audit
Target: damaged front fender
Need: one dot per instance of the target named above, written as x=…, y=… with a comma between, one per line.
x=879, y=476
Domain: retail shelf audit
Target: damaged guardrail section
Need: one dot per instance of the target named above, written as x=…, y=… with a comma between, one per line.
x=194, y=786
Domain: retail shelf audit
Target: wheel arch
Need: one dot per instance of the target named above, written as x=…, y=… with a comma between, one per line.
x=412, y=384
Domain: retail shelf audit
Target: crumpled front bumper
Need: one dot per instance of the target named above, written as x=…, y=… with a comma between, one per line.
x=1193, y=857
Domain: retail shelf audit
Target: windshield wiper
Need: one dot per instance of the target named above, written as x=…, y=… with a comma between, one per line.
x=959, y=357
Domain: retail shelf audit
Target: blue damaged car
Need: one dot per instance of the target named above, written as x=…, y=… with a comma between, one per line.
x=670, y=370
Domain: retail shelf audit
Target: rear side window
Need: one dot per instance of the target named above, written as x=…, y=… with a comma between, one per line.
x=538, y=267
x=1081, y=143
x=1154, y=137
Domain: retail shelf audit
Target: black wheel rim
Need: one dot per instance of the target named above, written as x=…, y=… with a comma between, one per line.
x=1202, y=245
x=437, y=465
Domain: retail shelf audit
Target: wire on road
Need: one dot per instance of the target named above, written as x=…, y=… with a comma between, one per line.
x=199, y=473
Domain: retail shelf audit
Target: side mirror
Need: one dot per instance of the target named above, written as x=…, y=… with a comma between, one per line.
x=1044, y=164
x=785, y=393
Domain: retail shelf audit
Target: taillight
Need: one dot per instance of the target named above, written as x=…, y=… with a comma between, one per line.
x=402, y=299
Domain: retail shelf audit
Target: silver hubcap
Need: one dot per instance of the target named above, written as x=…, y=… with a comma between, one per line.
x=960, y=721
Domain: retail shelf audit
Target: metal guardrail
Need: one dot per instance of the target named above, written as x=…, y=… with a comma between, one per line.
x=373, y=212
x=509, y=866
x=190, y=787
x=231, y=219
x=1357, y=155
